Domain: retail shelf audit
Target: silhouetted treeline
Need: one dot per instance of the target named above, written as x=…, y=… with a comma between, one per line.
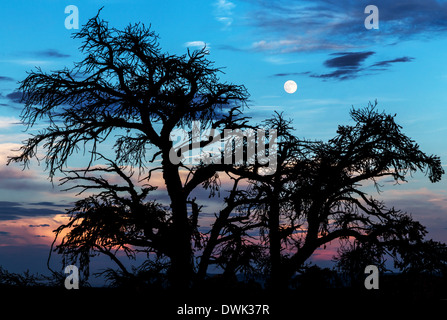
x=279, y=205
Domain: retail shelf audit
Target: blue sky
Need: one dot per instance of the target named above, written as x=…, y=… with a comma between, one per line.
x=322, y=45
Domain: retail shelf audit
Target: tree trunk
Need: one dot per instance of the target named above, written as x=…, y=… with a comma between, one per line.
x=309, y=246
x=181, y=270
x=276, y=281
x=210, y=245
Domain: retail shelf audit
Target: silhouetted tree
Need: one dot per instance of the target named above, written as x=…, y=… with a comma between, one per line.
x=334, y=206
x=271, y=199
x=410, y=256
x=119, y=217
x=353, y=258
x=316, y=194
x=429, y=257
x=128, y=89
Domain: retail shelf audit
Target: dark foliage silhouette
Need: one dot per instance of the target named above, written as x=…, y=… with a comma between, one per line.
x=127, y=88
x=315, y=196
x=417, y=257
x=128, y=92
x=31, y=280
x=15, y=279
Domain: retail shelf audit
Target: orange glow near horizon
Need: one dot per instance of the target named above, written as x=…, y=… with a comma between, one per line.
x=31, y=231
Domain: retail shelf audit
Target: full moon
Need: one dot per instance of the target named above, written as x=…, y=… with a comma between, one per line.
x=290, y=86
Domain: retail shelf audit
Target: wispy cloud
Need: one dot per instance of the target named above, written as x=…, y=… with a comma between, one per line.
x=12, y=100
x=51, y=53
x=224, y=12
x=39, y=225
x=8, y=122
x=225, y=6
x=15, y=96
x=3, y=78
x=388, y=63
x=349, y=65
x=12, y=178
x=27, y=62
x=347, y=60
x=299, y=44
x=197, y=44
x=30, y=230
x=10, y=210
x=48, y=204
x=289, y=74
x=34, y=58
x=314, y=25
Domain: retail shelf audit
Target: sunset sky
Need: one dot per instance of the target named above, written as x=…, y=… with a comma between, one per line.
x=322, y=45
